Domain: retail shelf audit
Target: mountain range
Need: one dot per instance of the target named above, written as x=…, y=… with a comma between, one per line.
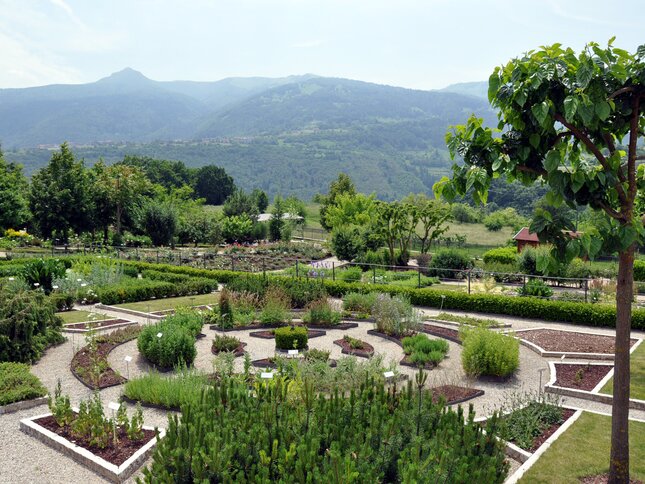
x=287, y=135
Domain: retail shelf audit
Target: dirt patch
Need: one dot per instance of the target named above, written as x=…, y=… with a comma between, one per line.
x=116, y=455
x=446, y=333
x=580, y=377
x=106, y=323
x=602, y=479
x=365, y=351
x=570, y=341
x=453, y=394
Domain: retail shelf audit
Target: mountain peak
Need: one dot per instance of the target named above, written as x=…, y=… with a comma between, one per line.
x=126, y=76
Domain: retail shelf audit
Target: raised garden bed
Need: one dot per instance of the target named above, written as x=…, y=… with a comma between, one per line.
x=567, y=413
x=453, y=394
x=559, y=341
x=366, y=351
x=268, y=334
x=97, y=325
x=83, y=360
x=580, y=376
x=239, y=351
x=256, y=325
x=115, y=463
x=405, y=361
x=341, y=326
x=393, y=339
x=270, y=363
x=446, y=333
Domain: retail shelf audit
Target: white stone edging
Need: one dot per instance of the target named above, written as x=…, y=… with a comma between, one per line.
x=22, y=405
x=83, y=456
x=457, y=325
x=66, y=329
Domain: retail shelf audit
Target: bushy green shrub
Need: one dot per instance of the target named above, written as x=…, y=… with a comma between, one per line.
x=165, y=276
x=423, y=350
x=454, y=259
x=503, y=272
x=301, y=291
x=225, y=310
x=186, y=318
x=132, y=290
x=175, y=347
x=578, y=269
x=351, y=274
x=39, y=273
x=63, y=301
x=395, y=316
x=275, y=309
x=347, y=243
x=489, y=353
x=535, y=288
x=291, y=338
x=225, y=343
x=528, y=420
x=17, y=383
x=321, y=313
x=315, y=354
x=359, y=302
x=166, y=391
x=501, y=255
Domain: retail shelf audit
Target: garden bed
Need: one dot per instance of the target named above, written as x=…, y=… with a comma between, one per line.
x=86, y=326
x=256, y=325
x=406, y=361
x=269, y=334
x=567, y=413
x=239, y=351
x=580, y=376
x=561, y=341
x=366, y=351
x=446, y=333
x=393, y=339
x=340, y=326
x=115, y=463
x=270, y=363
x=454, y=394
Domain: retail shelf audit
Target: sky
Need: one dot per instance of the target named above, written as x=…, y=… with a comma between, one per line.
x=421, y=44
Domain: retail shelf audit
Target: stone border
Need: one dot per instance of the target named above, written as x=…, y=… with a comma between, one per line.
x=527, y=464
x=568, y=354
x=457, y=325
x=104, y=328
x=22, y=405
x=86, y=458
x=132, y=312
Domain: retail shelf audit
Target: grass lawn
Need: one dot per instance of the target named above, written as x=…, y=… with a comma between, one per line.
x=80, y=316
x=637, y=382
x=583, y=450
x=171, y=302
x=477, y=234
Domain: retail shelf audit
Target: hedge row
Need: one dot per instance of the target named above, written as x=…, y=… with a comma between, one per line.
x=639, y=270
x=147, y=289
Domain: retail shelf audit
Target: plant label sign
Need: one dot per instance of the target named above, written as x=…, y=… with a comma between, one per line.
x=128, y=359
x=114, y=406
x=292, y=352
x=388, y=374
x=159, y=335
x=266, y=375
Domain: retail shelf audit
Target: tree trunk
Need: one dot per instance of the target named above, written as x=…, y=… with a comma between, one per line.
x=119, y=211
x=619, y=460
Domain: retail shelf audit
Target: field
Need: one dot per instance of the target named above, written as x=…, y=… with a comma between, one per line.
x=80, y=316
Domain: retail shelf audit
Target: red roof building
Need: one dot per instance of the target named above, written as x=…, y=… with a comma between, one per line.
x=525, y=238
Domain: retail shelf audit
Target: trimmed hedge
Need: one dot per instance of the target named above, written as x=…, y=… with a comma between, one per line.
x=501, y=255
x=141, y=290
x=639, y=270
x=291, y=338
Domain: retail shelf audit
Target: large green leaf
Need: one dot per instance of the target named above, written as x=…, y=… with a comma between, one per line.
x=570, y=107
x=603, y=110
x=540, y=111
x=552, y=160
x=584, y=74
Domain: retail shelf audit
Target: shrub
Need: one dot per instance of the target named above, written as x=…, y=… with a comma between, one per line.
x=535, y=288
x=423, y=350
x=18, y=384
x=186, y=318
x=165, y=276
x=291, y=338
x=320, y=312
x=225, y=343
x=132, y=290
x=62, y=301
x=301, y=291
x=249, y=284
x=454, y=259
x=317, y=355
x=469, y=320
x=359, y=302
x=503, y=272
x=578, y=269
x=354, y=343
x=42, y=272
x=347, y=243
x=176, y=346
x=225, y=310
x=372, y=257
x=351, y=274
x=464, y=213
x=486, y=352
x=493, y=222
x=395, y=316
x=276, y=307
x=639, y=270
x=166, y=391
x=501, y=255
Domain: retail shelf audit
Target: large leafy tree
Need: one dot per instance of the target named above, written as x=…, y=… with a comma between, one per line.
x=214, y=184
x=563, y=120
x=343, y=185
x=433, y=218
x=60, y=198
x=169, y=174
x=14, y=206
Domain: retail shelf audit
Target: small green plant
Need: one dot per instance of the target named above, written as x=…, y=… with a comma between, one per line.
x=395, y=316
x=317, y=355
x=17, y=383
x=423, y=350
x=291, y=337
x=487, y=352
x=166, y=391
x=60, y=407
x=359, y=302
x=535, y=288
x=354, y=343
x=91, y=423
x=351, y=274
x=225, y=343
x=276, y=307
x=320, y=312
x=167, y=345
x=469, y=320
x=225, y=310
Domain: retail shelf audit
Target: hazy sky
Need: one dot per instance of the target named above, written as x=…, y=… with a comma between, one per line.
x=421, y=44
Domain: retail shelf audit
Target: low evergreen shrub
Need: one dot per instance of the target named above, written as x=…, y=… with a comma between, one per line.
x=395, y=316
x=321, y=313
x=351, y=274
x=422, y=349
x=488, y=353
x=291, y=338
x=448, y=259
x=166, y=391
x=225, y=343
x=359, y=302
x=501, y=255
x=18, y=384
x=175, y=346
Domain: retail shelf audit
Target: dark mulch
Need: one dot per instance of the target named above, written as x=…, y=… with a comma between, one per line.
x=244, y=328
x=569, y=341
x=270, y=363
x=406, y=361
x=453, y=394
x=580, y=377
x=239, y=351
x=366, y=351
x=116, y=455
x=82, y=363
x=602, y=479
x=446, y=333
x=539, y=440
x=106, y=323
x=341, y=326
x=268, y=334
x=393, y=339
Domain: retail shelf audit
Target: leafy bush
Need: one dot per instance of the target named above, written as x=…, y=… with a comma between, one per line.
x=347, y=243
x=578, y=269
x=535, y=288
x=291, y=338
x=487, y=352
x=176, y=346
x=225, y=343
x=301, y=291
x=320, y=312
x=186, y=318
x=503, y=272
x=17, y=383
x=351, y=274
x=394, y=315
x=454, y=259
x=132, y=290
x=501, y=255
x=423, y=261
x=639, y=270
x=359, y=302
x=431, y=442
x=165, y=276
x=166, y=391
x=41, y=272
x=317, y=355
x=527, y=420
x=464, y=213
x=423, y=350
x=354, y=343
x=276, y=307
x=527, y=261
x=62, y=301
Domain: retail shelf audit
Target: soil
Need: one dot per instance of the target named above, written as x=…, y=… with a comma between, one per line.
x=341, y=326
x=82, y=362
x=106, y=323
x=603, y=479
x=268, y=334
x=239, y=351
x=116, y=455
x=393, y=339
x=589, y=375
x=453, y=394
x=569, y=341
x=539, y=440
x=366, y=351
x=446, y=333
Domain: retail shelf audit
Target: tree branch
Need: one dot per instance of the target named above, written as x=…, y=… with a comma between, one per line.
x=610, y=211
x=620, y=91
x=610, y=143
x=631, y=155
